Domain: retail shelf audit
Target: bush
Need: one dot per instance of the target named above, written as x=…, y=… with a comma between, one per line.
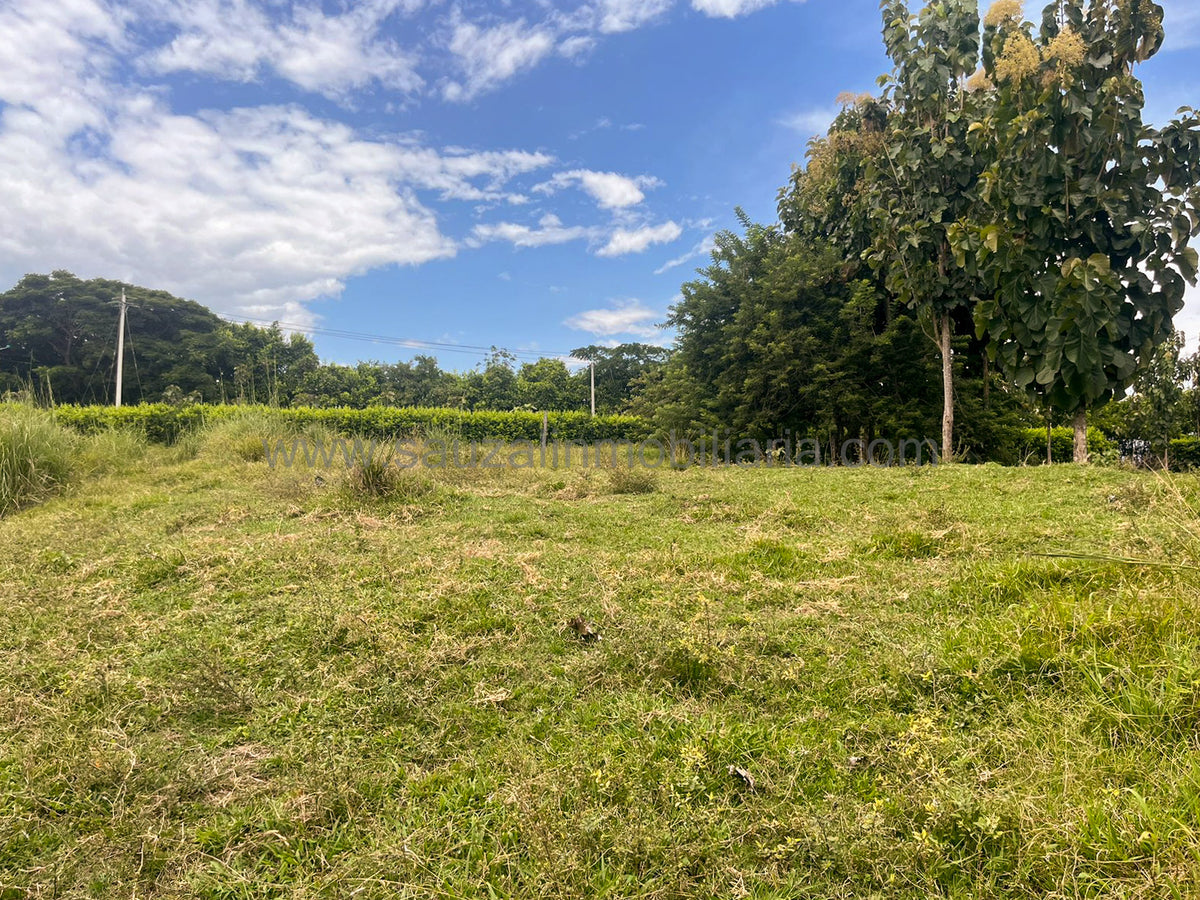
x=159, y=422
x=36, y=456
x=631, y=481
x=246, y=432
x=1185, y=453
x=1031, y=444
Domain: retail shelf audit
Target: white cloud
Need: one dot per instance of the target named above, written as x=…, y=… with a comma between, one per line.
x=257, y=209
x=42, y=48
x=625, y=15
x=237, y=39
x=550, y=230
x=253, y=211
x=730, y=9
x=703, y=248
x=627, y=318
x=608, y=189
x=576, y=46
x=625, y=241
x=489, y=56
x=453, y=171
x=810, y=122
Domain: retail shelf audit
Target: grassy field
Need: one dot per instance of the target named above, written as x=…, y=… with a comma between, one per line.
x=221, y=680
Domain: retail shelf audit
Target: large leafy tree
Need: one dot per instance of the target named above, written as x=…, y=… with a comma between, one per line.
x=777, y=336
x=620, y=371
x=925, y=177
x=1084, y=242
x=495, y=386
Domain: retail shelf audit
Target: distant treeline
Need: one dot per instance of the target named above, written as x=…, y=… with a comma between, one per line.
x=58, y=341
x=775, y=344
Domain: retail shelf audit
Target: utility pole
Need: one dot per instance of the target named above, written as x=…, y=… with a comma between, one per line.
x=592, y=368
x=121, y=346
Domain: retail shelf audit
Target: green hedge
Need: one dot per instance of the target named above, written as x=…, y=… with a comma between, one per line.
x=160, y=422
x=1031, y=444
x=163, y=423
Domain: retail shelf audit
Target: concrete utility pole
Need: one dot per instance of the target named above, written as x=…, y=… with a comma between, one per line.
x=592, y=368
x=121, y=346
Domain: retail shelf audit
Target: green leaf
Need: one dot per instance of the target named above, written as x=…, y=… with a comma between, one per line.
x=991, y=237
x=1189, y=262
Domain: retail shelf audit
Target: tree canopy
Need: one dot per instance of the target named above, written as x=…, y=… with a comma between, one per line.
x=1009, y=202
x=1086, y=214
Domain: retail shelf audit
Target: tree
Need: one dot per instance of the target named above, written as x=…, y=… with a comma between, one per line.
x=1156, y=410
x=496, y=386
x=619, y=371
x=1083, y=238
x=62, y=331
x=546, y=385
x=924, y=180
x=776, y=337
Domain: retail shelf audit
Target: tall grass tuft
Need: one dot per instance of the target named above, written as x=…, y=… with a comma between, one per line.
x=113, y=451
x=378, y=479
x=36, y=456
x=632, y=481
x=246, y=435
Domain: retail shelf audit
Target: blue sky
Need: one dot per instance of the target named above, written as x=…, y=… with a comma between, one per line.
x=523, y=174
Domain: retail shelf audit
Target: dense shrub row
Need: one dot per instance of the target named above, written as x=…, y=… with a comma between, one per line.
x=1031, y=444
x=163, y=423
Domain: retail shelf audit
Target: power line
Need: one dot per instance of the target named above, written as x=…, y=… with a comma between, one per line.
x=429, y=345
x=411, y=343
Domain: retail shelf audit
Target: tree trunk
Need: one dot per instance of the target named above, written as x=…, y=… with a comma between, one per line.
x=944, y=336
x=1081, y=447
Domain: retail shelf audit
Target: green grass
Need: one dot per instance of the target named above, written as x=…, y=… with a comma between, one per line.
x=39, y=458
x=220, y=680
x=35, y=456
